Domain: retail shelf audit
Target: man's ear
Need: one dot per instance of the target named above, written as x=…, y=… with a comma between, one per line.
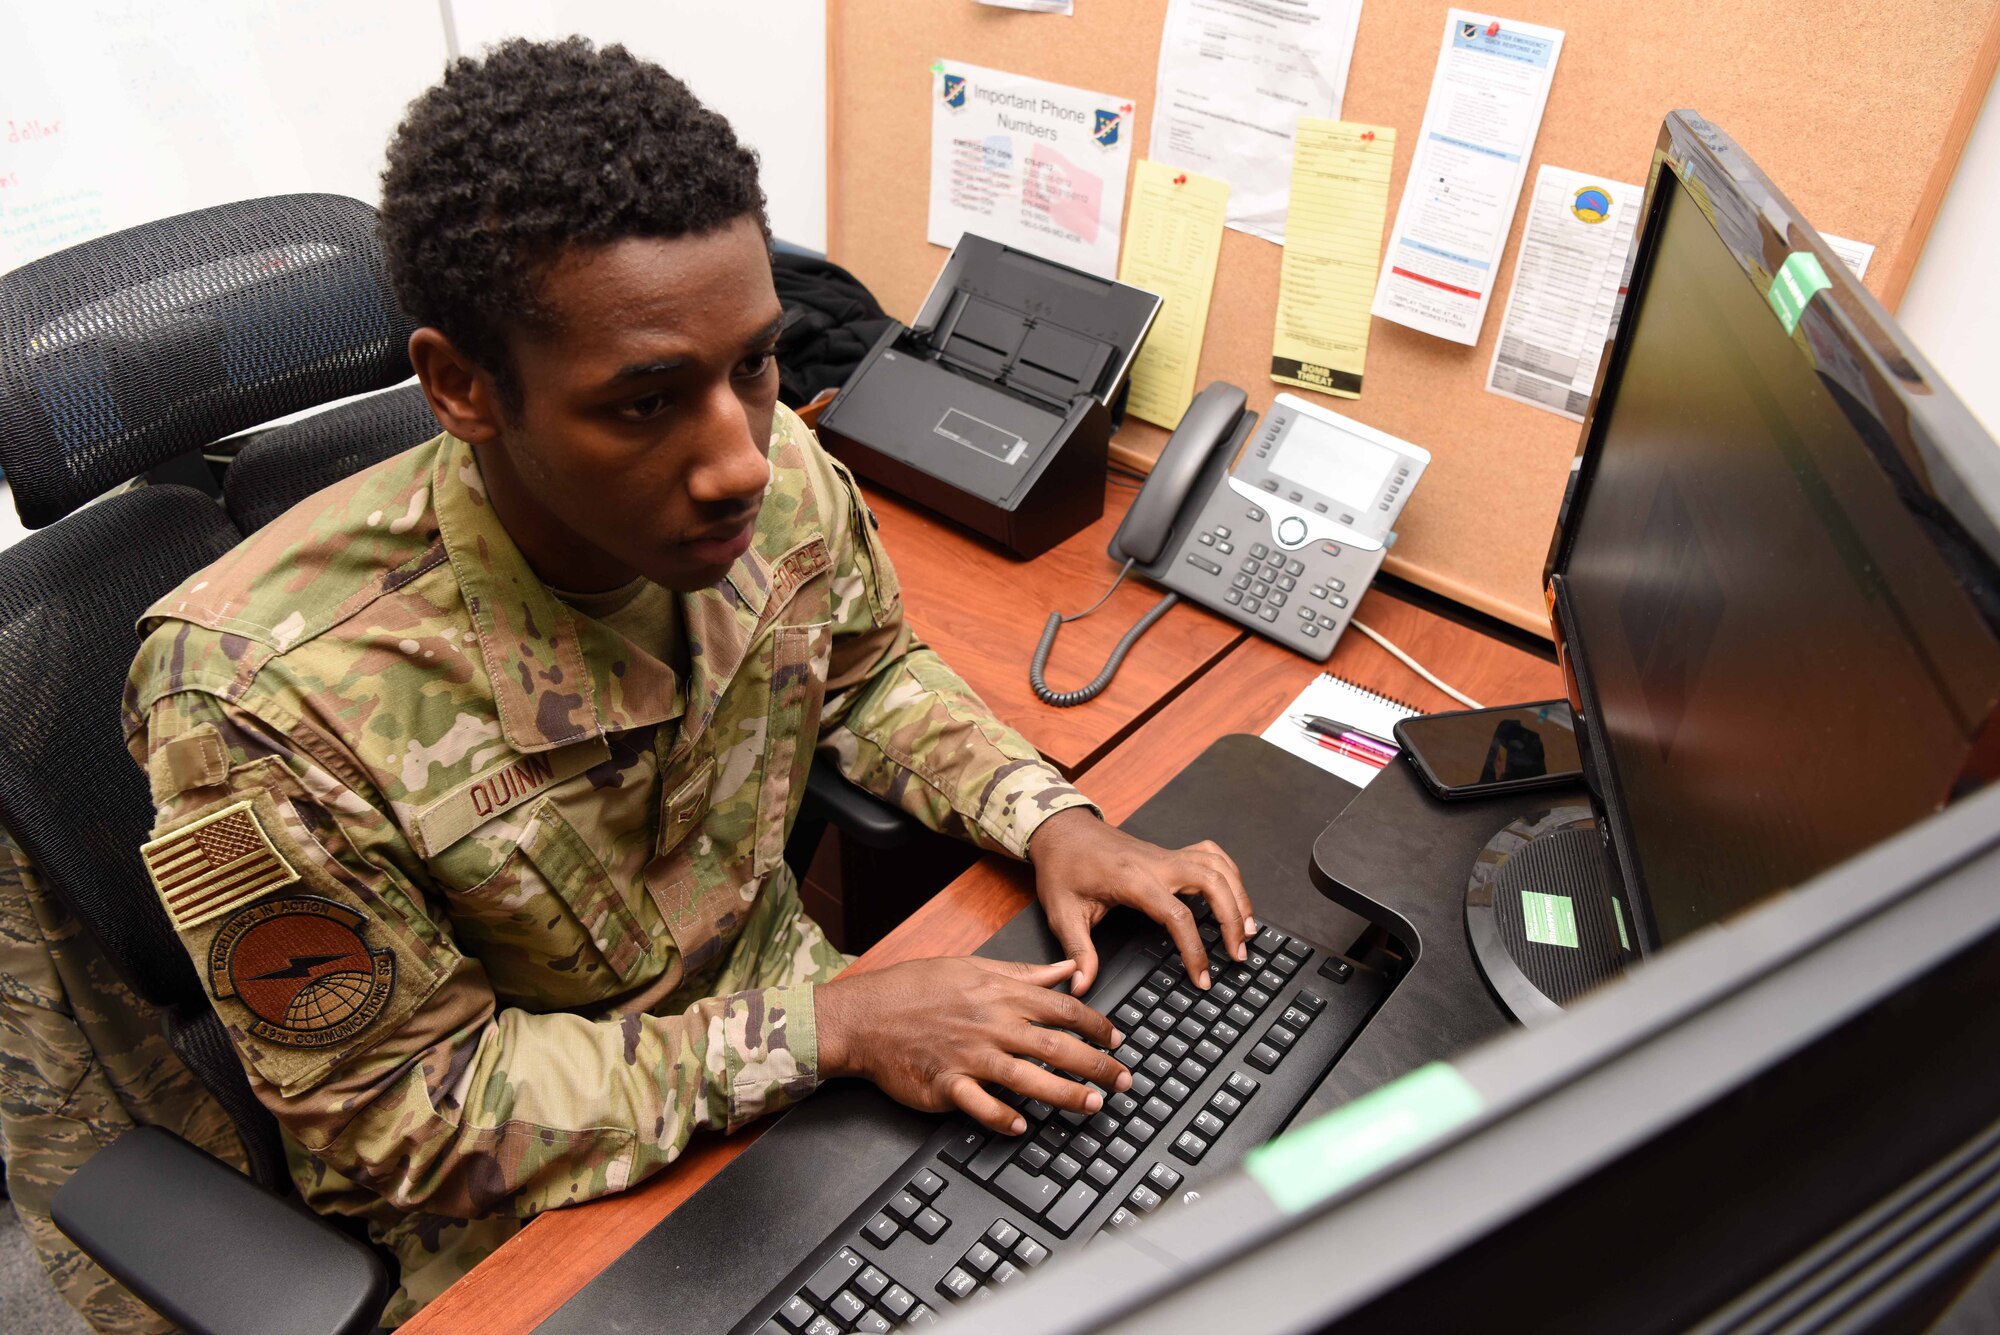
x=461, y=394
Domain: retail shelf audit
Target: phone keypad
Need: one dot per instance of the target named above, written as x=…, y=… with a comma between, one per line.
x=1268, y=588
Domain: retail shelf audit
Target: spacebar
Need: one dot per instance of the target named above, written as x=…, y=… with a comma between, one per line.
x=1031, y=1193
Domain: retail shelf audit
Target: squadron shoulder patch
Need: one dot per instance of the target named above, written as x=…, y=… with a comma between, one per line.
x=303, y=970
x=215, y=864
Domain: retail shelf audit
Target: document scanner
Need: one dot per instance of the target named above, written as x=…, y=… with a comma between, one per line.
x=995, y=407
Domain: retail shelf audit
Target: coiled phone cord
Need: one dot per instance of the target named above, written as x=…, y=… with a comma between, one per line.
x=1064, y=699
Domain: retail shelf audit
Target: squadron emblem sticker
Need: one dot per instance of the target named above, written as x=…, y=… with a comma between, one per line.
x=303, y=970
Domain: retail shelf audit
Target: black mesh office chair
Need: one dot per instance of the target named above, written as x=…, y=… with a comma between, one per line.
x=115, y=356
x=282, y=467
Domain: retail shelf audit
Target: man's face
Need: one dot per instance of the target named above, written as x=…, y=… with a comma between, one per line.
x=645, y=412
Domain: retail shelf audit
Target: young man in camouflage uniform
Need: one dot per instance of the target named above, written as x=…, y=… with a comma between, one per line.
x=473, y=773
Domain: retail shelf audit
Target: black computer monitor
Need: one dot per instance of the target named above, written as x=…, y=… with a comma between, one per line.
x=1776, y=575
x=1775, y=592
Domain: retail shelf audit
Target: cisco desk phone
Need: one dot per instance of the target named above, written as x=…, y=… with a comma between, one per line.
x=1283, y=539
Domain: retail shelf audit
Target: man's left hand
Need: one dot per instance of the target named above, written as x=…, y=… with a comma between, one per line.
x=1084, y=866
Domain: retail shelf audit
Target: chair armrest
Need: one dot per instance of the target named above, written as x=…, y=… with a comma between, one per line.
x=211, y=1250
x=856, y=813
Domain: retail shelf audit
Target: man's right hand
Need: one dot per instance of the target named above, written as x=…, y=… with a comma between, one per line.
x=929, y=1032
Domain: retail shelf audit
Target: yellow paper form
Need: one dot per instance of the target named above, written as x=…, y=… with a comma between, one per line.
x=1171, y=244
x=1333, y=246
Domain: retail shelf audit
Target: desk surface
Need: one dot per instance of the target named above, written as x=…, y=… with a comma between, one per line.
x=984, y=611
x=537, y=1270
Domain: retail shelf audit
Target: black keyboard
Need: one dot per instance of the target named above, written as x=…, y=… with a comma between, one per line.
x=1214, y=1074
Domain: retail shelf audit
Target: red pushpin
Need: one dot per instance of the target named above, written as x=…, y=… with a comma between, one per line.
x=1367, y=136
x=1181, y=179
x=1493, y=28
x=1127, y=107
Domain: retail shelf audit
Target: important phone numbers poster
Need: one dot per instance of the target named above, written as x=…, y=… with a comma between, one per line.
x=1028, y=163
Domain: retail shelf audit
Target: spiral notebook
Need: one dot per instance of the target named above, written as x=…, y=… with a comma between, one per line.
x=1332, y=697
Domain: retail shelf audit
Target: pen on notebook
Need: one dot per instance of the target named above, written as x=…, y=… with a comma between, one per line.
x=1374, y=759
x=1333, y=727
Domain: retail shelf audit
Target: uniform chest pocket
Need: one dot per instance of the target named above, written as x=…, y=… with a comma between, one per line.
x=551, y=925
x=799, y=656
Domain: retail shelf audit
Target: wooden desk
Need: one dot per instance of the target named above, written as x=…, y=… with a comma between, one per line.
x=540, y=1267
x=984, y=611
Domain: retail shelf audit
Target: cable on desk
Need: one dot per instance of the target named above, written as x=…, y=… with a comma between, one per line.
x=1414, y=666
x=1065, y=699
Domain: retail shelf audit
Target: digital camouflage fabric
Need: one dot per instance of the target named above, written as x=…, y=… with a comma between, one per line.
x=493, y=902
x=82, y=1060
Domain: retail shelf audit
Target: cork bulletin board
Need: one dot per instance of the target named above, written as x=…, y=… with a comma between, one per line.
x=1858, y=111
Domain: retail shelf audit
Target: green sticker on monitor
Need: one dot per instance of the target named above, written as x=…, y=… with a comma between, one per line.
x=1304, y=1166
x=1618, y=909
x=1798, y=280
x=1550, y=918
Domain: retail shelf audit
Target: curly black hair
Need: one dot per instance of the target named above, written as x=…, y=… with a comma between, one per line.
x=539, y=147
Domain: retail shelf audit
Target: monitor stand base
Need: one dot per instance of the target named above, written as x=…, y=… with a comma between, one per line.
x=1544, y=912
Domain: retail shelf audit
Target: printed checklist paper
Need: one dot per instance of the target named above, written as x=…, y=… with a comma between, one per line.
x=1171, y=245
x=1340, y=195
x=1471, y=157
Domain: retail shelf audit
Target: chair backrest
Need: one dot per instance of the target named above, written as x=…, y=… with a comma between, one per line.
x=282, y=467
x=135, y=348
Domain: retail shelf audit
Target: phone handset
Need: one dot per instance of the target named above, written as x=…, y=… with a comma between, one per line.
x=1208, y=424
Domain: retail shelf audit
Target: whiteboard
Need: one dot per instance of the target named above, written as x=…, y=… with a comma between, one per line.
x=116, y=112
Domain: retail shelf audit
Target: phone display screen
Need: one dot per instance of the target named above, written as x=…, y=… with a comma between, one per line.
x=1495, y=746
x=1332, y=463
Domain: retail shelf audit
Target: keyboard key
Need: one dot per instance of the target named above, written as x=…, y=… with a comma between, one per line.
x=1103, y=1172
x=881, y=1230
x=1241, y=1015
x=1180, y=1000
x=1056, y=1134
x=1034, y=1158
x=1175, y=1092
x=1037, y=1111
x=922, y=1316
x=1338, y=970
x=1121, y=1105
x=905, y=1205
x=1270, y=940
x=1226, y=1034
x=1005, y=1273
x=1209, y=1051
x=1121, y=1151
x=1310, y=1003
x=963, y=1147
x=1033, y=1193
x=871, y=1281
x=1121, y=1218
x=1256, y=998
x=930, y=1225
x=1085, y=1146
x=957, y=1284
x=1142, y=1084
x=1190, y=1147
x=898, y=1301
x=1270, y=982
x=1208, y=1124
x=1162, y=1179
x=1243, y=1086
x=981, y=1258
x=1207, y=1011
x=1297, y=949
x=1295, y=1018
x=1143, y=1199
x=1162, y=1019
x=1128, y=1016
x=1264, y=1057
x=1003, y=1235
x=1065, y=1168
x=1157, y=1066
x=1129, y=1057
x=1075, y=1203
x=1105, y=1125
x=1283, y=965
x=1221, y=992
x=1190, y=1029
x=873, y=1323
x=1224, y=1104
x=1175, y=1047
x=797, y=1314
x=995, y=1153
x=846, y=1307
x=1145, y=997
x=1280, y=1037
x=1139, y=1130
x=1192, y=1071
x=1031, y=1253
x=1144, y=1038
x=833, y=1275
x=1158, y=1110
x=823, y=1326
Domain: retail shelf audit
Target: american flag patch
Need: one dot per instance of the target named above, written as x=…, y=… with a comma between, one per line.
x=218, y=863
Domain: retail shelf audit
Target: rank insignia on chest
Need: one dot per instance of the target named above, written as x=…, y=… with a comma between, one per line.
x=215, y=864
x=303, y=970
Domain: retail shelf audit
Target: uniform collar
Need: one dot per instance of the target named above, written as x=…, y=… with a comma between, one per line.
x=559, y=678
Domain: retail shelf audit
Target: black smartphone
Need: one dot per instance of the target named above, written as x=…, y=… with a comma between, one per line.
x=1474, y=752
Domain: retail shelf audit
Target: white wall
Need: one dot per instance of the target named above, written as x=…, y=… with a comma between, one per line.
x=1952, y=309
x=761, y=63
